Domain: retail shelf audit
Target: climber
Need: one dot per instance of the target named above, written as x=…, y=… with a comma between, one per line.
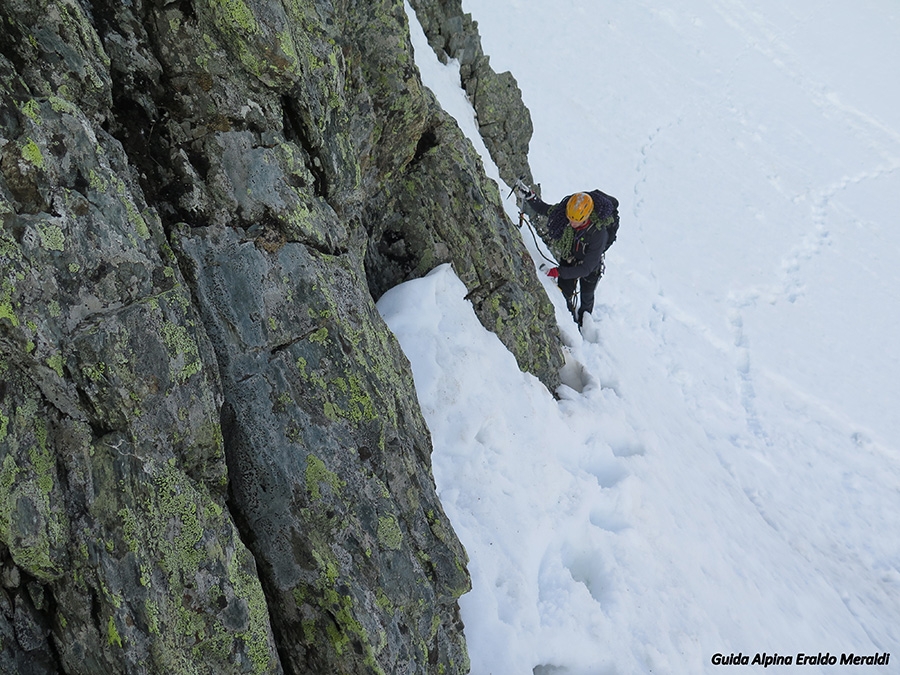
x=581, y=228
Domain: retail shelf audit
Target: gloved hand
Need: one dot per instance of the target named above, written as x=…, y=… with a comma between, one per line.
x=522, y=190
x=553, y=273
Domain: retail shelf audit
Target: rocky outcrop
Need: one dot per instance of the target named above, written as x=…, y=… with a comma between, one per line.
x=211, y=454
x=503, y=120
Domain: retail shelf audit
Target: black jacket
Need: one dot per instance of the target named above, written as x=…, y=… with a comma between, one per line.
x=591, y=242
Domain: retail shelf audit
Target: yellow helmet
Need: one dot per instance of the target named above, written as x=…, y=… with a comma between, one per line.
x=579, y=207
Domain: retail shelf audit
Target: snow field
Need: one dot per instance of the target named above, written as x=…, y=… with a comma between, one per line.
x=720, y=472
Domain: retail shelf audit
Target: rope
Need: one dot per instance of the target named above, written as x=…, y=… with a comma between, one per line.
x=527, y=221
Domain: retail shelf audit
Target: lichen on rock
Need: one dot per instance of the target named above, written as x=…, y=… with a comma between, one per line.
x=212, y=458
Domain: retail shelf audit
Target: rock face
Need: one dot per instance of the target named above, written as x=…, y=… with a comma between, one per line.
x=212, y=459
x=503, y=119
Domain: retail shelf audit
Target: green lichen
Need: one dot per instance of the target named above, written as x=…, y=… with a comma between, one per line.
x=112, y=634
x=214, y=511
x=137, y=219
x=134, y=216
x=6, y=308
x=316, y=474
x=343, y=628
x=329, y=567
x=248, y=588
x=286, y=43
x=31, y=152
x=435, y=625
x=182, y=348
x=97, y=181
x=361, y=407
x=151, y=609
x=95, y=372
x=56, y=363
x=301, y=366
x=357, y=405
x=317, y=381
x=27, y=479
x=179, y=505
x=320, y=336
x=52, y=237
x=188, y=622
x=9, y=248
x=238, y=14
x=331, y=411
x=8, y=473
x=177, y=534
x=284, y=401
x=301, y=219
x=32, y=110
x=309, y=630
x=130, y=530
x=383, y=602
x=260, y=55
x=61, y=105
x=389, y=533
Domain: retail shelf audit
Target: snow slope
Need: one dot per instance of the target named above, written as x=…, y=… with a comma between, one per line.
x=721, y=473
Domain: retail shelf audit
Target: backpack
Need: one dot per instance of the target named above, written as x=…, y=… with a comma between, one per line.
x=607, y=208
